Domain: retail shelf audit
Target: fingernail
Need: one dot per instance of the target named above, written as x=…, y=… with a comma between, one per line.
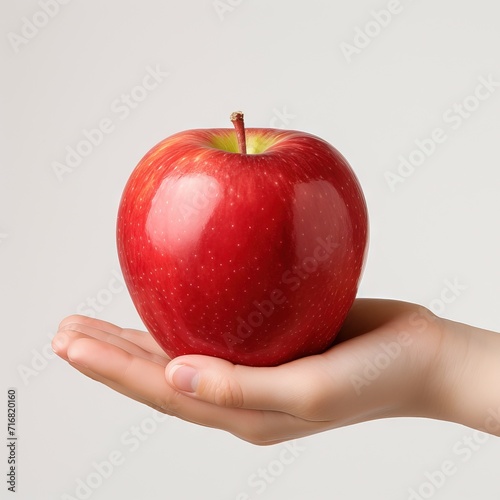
x=184, y=377
x=59, y=342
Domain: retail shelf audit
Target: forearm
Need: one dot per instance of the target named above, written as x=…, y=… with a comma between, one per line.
x=466, y=385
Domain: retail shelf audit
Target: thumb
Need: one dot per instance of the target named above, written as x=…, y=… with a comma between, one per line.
x=224, y=384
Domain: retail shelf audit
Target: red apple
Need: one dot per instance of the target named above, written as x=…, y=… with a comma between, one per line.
x=244, y=248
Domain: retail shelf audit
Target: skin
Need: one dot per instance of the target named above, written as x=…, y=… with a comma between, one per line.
x=391, y=359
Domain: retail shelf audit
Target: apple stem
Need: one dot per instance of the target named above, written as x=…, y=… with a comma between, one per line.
x=239, y=125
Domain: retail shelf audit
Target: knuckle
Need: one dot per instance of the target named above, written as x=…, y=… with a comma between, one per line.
x=255, y=436
x=257, y=432
x=310, y=409
x=257, y=439
x=310, y=395
x=169, y=404
x=227, y=393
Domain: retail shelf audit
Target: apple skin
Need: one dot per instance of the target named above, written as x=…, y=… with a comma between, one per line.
x=254, y=258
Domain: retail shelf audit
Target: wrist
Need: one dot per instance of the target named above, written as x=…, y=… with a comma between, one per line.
x=464, y=381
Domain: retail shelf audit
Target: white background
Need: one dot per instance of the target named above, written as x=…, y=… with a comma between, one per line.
x=282, y=63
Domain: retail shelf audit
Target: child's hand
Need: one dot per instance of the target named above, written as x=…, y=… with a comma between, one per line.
x=391, y=359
